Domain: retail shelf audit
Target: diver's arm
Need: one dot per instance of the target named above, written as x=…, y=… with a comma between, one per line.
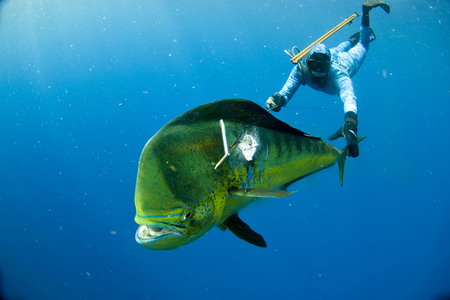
x=346, y=93
x=281, y=98
x=293, y=83
x=350, y=128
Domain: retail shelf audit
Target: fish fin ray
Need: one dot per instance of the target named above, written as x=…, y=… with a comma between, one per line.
x=243, y=231
x=222, y=227
x=259, y=193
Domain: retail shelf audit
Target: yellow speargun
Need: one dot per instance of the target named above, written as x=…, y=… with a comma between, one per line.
x=301, y=54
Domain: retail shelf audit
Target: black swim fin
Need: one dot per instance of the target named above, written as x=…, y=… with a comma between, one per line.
x=377, y=3
x=243, y=231
x=354, y=38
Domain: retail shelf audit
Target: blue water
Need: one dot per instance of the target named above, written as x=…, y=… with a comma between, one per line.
x=84, y=84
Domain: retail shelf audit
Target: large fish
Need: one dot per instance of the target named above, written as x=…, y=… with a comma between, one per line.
x=189, y=180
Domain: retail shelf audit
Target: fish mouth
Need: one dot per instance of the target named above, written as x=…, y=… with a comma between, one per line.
x=150, y=233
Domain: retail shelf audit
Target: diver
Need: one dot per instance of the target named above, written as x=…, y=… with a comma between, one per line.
x=330, y=71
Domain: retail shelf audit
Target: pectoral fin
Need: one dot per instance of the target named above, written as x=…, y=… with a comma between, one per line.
x=260, y=193
x=243, y=231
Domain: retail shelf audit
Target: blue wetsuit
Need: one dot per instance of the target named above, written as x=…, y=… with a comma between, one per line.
x=345, y=63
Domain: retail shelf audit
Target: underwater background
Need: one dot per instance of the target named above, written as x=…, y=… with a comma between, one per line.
x=84, y=84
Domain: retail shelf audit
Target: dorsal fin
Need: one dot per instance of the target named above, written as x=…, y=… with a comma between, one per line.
x=236, y=110
x=243, y=231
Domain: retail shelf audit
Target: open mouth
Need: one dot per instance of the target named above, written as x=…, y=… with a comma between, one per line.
x=150, y=233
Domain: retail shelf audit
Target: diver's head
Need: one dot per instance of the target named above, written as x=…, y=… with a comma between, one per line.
x=319, y=60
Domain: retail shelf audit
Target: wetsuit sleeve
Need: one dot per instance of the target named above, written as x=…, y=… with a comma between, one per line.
x=292, y=84
x=346, y=93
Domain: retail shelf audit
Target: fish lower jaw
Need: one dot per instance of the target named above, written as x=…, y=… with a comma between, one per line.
x=149, y=233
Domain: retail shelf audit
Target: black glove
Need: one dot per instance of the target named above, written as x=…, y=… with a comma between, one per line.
x=350, y=132
x=275, y=102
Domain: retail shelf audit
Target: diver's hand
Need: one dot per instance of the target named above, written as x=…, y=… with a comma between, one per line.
x=350, y=132
x=275, y=102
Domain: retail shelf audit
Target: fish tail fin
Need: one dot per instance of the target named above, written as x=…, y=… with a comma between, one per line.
x=341, y=160
x=341, y=163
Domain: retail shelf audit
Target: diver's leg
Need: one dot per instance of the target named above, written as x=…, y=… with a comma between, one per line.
x=354, y=38
x=356, y=54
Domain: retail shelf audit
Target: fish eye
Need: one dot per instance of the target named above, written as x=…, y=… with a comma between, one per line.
x=186, y=216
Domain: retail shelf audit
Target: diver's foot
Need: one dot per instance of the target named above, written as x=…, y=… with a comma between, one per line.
x=369, y=4
x=373, y=37
x=354, y=39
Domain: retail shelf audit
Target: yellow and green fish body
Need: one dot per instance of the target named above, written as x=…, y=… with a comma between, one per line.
x=196, y=173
